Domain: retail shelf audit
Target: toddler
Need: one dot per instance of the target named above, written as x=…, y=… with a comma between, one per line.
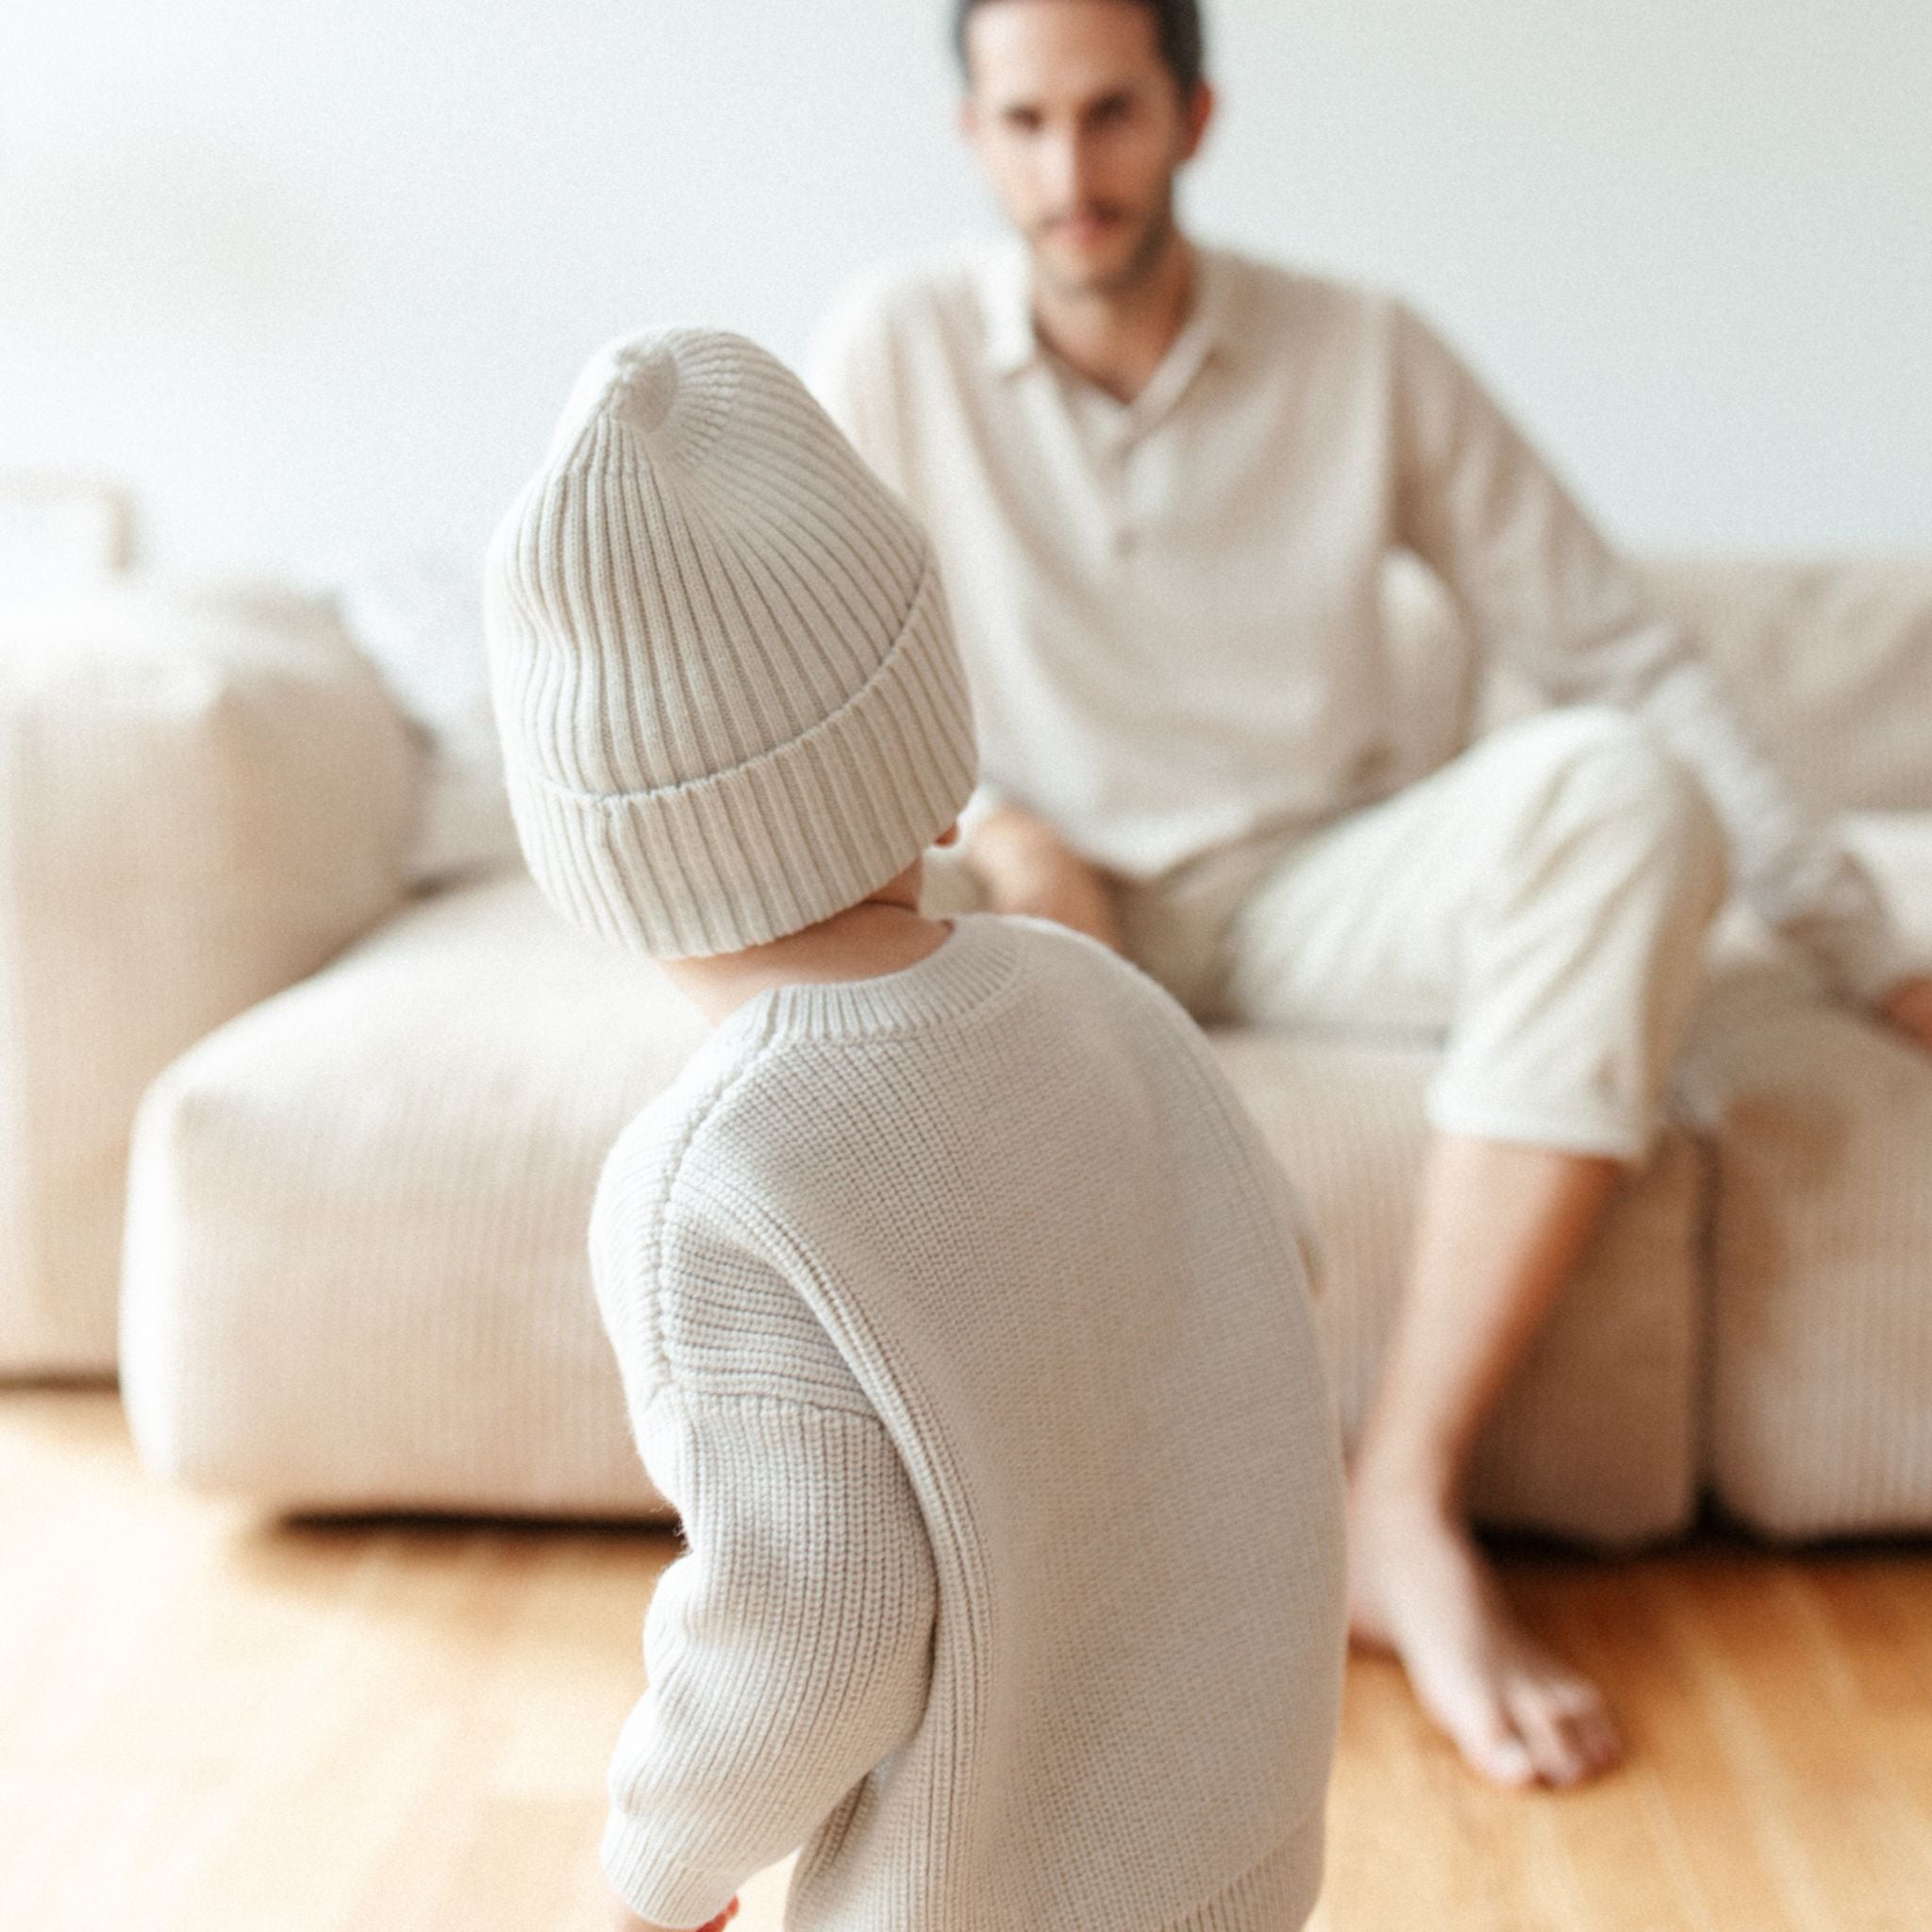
x=959, y=1305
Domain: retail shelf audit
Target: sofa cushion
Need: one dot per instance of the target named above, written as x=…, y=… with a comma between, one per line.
x=1597, y=1440
x=357, y=1262
x=203, y=795
x=1821, y=1125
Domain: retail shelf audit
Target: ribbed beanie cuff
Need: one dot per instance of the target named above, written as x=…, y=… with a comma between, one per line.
x=777, y=844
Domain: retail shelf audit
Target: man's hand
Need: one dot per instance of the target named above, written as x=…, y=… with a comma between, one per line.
x=1026, y=867
x=1909, y=1007
x=623, y=1920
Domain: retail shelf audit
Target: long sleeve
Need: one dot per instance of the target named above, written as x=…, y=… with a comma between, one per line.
x=787, y=1651
x=1544, y=592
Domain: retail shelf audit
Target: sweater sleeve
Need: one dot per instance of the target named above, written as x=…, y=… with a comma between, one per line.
x=787, y=1651
x=1543, y=589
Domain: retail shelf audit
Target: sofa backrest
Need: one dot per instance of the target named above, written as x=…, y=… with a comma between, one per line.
x=1830, y=665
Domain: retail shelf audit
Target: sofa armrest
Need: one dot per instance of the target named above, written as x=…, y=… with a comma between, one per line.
x=204, y=795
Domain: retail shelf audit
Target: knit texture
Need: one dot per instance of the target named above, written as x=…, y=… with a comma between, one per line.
x=721, y=657
x=922, y=1287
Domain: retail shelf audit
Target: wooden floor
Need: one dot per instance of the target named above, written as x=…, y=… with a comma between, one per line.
x=207, y=1722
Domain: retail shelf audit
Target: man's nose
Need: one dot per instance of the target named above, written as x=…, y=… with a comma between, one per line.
x=1068, y=170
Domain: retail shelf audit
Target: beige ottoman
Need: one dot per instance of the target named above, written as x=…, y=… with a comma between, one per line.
x=357, y=1274
x=202, y=797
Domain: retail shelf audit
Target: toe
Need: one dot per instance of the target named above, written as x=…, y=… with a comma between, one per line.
x=1556, y=1744
x=1601, y=1741
x=1506, y=1760
x=1587, y=1718
x=1569, y=1733
x=1491, y=1745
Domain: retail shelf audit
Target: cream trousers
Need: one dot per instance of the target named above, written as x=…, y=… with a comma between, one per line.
x=1539, y=907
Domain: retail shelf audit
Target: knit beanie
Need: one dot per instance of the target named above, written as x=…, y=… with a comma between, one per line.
x=719, y=656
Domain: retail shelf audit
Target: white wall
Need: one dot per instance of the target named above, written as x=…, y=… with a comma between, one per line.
x=314, y=279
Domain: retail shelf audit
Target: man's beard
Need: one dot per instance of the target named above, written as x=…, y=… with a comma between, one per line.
x=1156, y=232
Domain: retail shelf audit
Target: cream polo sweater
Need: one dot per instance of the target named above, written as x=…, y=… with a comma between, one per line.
x=1169, y=608
x=962, y=1313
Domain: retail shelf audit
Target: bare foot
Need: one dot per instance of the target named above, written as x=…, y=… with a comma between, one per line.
x=1418, y=1587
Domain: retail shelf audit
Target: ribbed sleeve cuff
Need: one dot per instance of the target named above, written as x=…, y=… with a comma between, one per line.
x=665, y=1889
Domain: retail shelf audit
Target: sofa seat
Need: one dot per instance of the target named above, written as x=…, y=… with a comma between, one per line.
x=435, y=1107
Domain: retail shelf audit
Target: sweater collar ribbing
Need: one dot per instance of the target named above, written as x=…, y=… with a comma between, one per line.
x=964, y=972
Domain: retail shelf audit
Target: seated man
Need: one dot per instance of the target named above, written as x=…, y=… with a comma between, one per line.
x=1163, y=479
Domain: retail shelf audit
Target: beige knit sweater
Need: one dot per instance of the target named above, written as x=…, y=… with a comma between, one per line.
x=962, y=1313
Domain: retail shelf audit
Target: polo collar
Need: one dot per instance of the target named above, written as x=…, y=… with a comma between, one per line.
x=1012, y=343
x=1007, y=290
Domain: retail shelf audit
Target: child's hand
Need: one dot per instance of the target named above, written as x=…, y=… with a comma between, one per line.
x=623, y=1920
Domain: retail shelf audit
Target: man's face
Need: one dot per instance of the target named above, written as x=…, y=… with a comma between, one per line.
x=1080, y=128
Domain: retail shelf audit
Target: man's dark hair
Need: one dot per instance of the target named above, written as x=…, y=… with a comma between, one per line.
x=1183, y=40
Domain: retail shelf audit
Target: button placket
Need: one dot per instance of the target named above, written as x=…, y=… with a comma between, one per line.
x=1127, y=529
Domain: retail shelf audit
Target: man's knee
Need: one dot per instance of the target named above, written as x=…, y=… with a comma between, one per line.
x=1605, y=777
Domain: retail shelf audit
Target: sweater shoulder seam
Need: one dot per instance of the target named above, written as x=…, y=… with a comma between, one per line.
x=665, y=1204
x=671, y=1209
